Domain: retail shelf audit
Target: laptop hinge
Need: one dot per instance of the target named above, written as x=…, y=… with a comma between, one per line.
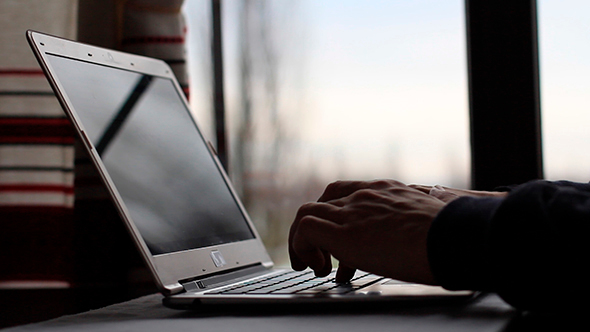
x=217, y=280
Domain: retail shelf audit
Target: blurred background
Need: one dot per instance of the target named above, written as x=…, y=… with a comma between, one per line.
x=318, y=91
x=314, y=91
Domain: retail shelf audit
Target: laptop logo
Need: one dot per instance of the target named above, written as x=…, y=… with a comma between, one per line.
x=217, y=258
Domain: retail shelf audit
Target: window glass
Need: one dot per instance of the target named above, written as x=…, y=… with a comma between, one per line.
x=198, y=43
x=318, y=91
x=564, y=32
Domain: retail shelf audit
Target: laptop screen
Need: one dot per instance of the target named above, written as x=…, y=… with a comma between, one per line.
x=155, y=155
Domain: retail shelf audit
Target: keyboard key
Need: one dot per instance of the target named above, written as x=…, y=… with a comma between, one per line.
x=293, y=282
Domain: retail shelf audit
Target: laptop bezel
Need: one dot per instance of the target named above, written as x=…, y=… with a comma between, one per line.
x=167, y=269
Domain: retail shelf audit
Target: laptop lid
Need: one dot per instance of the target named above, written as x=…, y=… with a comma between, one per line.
x=164, y=178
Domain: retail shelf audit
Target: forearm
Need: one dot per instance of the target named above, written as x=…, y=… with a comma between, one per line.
x=523, y=246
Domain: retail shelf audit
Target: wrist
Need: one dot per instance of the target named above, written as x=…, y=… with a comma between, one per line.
x=456, y=243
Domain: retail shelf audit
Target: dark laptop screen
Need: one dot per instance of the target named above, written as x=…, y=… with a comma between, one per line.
x=155, y=155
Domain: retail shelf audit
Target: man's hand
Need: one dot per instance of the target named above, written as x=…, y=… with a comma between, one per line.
x=376, y=226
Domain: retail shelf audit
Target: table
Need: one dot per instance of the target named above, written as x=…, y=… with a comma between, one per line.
x=485, y=313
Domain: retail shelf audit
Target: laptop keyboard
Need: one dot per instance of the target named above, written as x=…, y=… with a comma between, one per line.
x=294, y=282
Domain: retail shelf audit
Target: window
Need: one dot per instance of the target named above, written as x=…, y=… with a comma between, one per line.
x=198, y=20
x=564, y=50
x=323, y=90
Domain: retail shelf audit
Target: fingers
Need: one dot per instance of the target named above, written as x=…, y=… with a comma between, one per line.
x=344, y=273
x=308, y=245
x=320, y=210
x=296, y=263
x=440, y=193
x=354, y=218
x=420, y=187
x=340, y=189
x=311, y=243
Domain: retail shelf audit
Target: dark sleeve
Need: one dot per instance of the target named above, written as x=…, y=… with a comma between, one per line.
x=530, y=247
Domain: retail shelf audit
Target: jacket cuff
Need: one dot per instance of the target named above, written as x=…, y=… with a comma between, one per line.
x=457, y=243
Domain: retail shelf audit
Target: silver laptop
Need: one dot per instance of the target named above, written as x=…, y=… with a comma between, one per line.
x=171, y=192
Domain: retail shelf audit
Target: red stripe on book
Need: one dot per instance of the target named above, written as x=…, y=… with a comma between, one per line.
x=39, y=188
x=21, y=72
x=36, y=140
x=153, y=40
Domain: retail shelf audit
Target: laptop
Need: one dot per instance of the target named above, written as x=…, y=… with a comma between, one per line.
x=171, y=192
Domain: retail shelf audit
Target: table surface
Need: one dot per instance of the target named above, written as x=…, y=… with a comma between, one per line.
x=485, y=313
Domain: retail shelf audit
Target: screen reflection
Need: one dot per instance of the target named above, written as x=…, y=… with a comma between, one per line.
x=155, y=156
